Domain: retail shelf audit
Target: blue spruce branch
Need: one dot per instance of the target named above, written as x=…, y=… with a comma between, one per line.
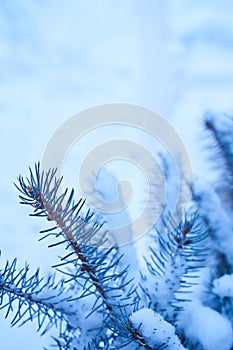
x=96, y=268
x=36, y=298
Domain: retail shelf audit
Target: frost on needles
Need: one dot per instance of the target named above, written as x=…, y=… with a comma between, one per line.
x=181, y=299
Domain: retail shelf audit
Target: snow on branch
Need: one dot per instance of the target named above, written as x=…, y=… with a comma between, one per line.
x=158, y=333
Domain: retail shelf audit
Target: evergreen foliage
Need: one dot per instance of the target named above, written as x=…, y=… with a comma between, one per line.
x=182, y=300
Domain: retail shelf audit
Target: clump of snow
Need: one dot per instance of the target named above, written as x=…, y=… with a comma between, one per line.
x=116, y=217
x=212, y=211
x=206, y=326
x=87, y=328
x=223, y=286
x=155, y=330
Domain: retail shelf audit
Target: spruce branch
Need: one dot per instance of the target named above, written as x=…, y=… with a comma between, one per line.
x=41, y=192
x=222, y=139
x=35, y=298
x=96, y=268
x=174, y=265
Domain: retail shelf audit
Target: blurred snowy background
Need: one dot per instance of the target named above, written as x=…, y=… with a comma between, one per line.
x=57, y=58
